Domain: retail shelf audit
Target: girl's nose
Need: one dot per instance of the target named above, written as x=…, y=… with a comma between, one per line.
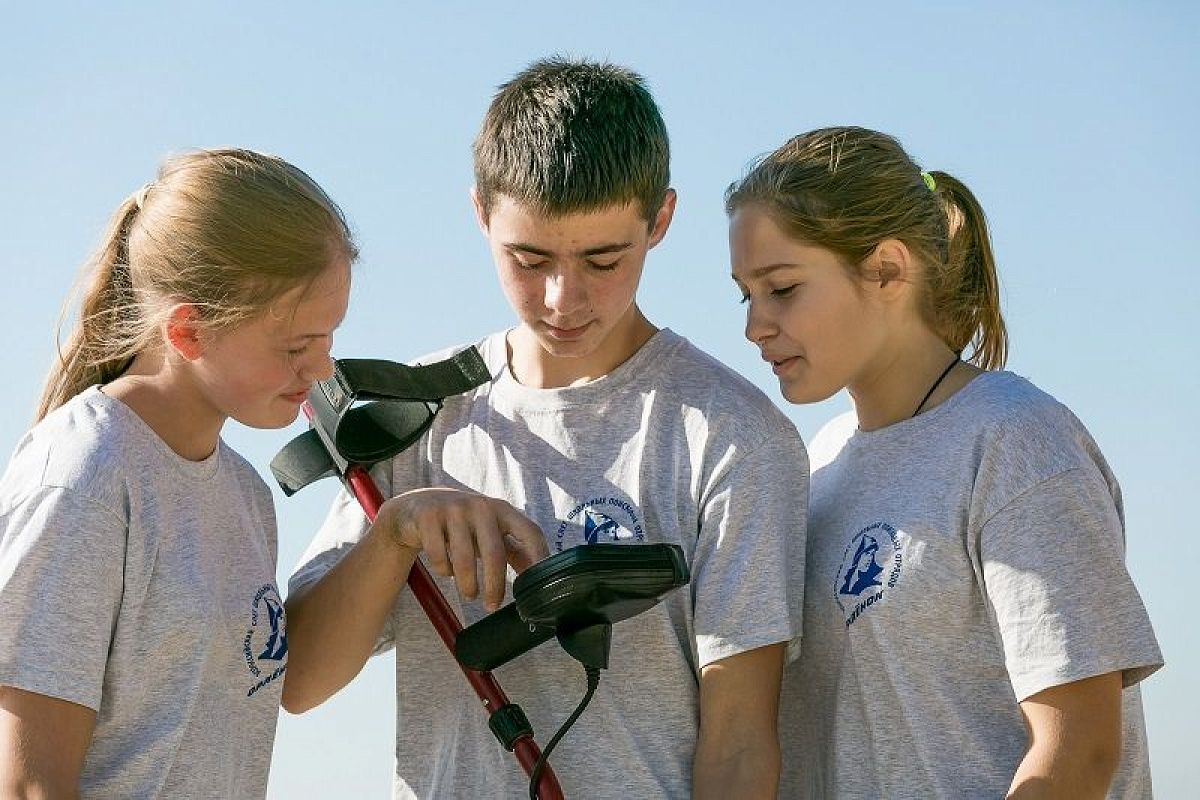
x=759, y=327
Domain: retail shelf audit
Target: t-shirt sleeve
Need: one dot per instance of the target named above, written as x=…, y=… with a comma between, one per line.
x=62, y=558
x=343, y=528
x=748, y=568
x=1053, y=561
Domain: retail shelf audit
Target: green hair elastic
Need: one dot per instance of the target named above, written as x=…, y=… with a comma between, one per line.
x=929, y=181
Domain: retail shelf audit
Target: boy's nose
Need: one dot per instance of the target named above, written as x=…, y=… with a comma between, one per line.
x=565, y=292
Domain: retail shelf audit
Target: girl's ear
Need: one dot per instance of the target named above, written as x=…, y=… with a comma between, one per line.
x=183, y=331
x=890, y=266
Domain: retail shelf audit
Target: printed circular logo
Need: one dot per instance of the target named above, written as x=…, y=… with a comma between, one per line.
x=870, y=566
x=600, y=519
x=264, y=647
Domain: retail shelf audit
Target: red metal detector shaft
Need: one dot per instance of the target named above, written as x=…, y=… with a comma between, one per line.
x=448, y=627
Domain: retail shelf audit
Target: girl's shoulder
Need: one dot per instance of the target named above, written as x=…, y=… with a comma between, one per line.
x=1025, y=436
x=1006, y=407
x=1003, y=395
x=88, y=446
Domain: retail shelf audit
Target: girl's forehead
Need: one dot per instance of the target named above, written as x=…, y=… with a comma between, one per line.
x=314, y=308
x=759, y=247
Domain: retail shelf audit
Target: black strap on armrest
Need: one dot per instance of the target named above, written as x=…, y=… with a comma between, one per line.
x=373, y=379
x=369, y=411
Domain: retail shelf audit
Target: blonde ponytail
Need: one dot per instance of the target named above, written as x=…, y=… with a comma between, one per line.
x=106, y=304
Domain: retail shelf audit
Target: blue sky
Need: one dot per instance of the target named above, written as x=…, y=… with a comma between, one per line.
x=1072, y=122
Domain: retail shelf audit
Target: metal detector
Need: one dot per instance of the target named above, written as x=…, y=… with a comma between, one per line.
x=369, y=411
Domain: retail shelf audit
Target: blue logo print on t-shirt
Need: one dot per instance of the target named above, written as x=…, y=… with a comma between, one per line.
x=597, y=526
x=619, y=521
x=276, y=647
x=860, y=581
x=864, y=571
x=266, y=638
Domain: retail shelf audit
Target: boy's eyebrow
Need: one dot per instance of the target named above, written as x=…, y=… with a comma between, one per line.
x=603, y=249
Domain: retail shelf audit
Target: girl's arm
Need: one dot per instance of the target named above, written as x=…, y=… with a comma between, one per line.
x=43, y=741
x=1074, y=740
x=333, y=625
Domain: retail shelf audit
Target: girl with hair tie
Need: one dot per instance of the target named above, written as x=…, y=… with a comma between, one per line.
x=970, y=628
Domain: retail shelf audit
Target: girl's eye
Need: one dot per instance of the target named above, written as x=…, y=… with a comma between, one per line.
x=299, y=351
x=784, y=291
x=745, y=297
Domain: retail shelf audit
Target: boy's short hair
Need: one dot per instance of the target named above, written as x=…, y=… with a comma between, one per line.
x=570, y=135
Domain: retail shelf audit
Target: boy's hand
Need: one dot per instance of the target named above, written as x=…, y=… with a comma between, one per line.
x=456, y=529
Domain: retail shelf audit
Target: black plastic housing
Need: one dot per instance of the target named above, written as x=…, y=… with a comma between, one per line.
x=587, y=585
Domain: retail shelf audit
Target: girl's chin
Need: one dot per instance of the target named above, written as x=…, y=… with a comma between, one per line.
x=273, y=420
x=799, y=393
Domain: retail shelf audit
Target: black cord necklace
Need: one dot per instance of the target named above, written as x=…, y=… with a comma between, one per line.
x=936, y=384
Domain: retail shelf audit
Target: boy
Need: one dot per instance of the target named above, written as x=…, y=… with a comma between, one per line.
x=598, y=427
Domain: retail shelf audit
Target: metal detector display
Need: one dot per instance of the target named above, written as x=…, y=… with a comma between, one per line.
x=588, y=585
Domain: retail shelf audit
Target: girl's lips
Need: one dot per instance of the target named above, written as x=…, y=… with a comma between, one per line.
x=779, y=367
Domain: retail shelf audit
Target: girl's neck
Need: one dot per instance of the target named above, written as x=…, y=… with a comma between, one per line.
x=170, y=403
x=891, y=390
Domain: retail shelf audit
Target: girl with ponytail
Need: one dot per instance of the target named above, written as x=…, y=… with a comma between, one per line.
x=142, y=637
x=970, y=628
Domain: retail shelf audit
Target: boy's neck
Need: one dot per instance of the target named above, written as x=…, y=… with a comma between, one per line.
x=534, y=366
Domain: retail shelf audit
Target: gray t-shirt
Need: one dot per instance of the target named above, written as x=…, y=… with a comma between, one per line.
x=141, y=585
x=958, y=563
x=672, y=447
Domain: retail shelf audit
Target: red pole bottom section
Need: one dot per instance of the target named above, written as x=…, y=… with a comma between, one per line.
x=448, y=626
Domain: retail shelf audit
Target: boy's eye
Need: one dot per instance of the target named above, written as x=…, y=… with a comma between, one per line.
x=530, y=264
x=604, y=266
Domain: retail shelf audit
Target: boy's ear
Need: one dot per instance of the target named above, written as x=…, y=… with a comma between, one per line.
x=662, y=219
x=480, y=214
x=183, y=331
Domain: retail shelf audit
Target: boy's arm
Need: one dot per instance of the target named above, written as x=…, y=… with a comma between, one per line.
x=737, y=751
x=43, y=741
x=1074, y=740
x=333, y=625
x=748, y=586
